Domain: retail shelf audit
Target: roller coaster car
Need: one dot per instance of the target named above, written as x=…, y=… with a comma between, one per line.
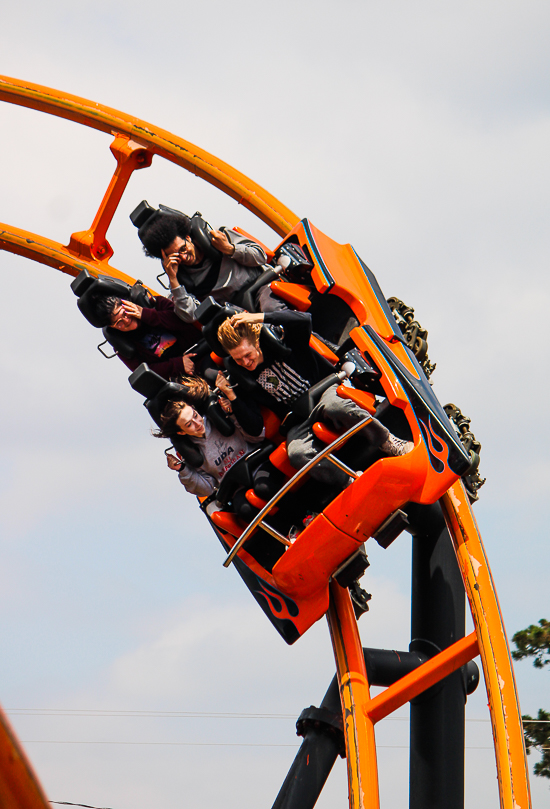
x=289, y=579
x=350, y=313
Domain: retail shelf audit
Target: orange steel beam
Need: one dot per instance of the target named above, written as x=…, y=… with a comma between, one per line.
x=354, y=694
x=129, y=156
x=53, y=254
x=510, y=756
x=426, y=675
x=158, y=141
x=19, y=786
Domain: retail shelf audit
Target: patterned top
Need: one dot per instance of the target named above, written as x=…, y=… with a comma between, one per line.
x=283, y=382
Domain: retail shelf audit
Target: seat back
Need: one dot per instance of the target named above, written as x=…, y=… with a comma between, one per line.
x=158, y=392
x=200, y=231
x=86, y=287
x=241, y=473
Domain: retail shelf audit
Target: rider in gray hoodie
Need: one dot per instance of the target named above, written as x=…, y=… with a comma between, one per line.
x=219, y=452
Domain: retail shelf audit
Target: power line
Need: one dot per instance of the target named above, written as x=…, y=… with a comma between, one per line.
x=93, y=712
x=211, y=744
x=164, y=744
x=142, y=714
x=85, y=805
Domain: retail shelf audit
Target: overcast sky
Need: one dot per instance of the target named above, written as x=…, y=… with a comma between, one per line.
x=416, y=131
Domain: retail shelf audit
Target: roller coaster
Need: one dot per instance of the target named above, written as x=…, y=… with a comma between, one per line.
x=378, y=358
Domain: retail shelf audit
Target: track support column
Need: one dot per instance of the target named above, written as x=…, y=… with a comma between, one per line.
x=355, y=696
x=437, y=621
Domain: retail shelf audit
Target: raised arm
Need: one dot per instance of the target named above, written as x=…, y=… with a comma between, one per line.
x=242, y=250
x=245, y=410
x=296, y=325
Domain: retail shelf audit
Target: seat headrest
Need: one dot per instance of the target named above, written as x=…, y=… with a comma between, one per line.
x=121, y=341
x=158, y=392
x=200, y=230
x=156, y=389
x=87, y=287
x=191, y=454
x=211, y=315
x=271, y=340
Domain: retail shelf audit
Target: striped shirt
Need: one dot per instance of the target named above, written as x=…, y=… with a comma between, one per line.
x=282, y=382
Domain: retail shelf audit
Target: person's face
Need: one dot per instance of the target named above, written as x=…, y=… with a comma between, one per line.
x=122, y=321
x=247, y=355
x=188, y=252
x=190, y=422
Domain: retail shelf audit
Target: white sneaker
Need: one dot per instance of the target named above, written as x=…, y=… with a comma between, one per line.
x=394, y=446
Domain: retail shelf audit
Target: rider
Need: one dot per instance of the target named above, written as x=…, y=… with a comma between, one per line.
x=282, y=380
x=234, y=264
x=219, y=452
x=157, y=335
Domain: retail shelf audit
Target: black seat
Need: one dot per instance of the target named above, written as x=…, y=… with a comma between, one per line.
x=211, y=315
x=158, y=392
x=145, y=214
x=241, y=474
x=86, y=287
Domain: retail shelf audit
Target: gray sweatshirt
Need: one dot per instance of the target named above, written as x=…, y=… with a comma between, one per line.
x=235, y=271
x=220, y=453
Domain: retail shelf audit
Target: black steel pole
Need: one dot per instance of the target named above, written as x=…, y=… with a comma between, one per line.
x=437, y=715
x=323, y=736
x=437, y=621
x=316, y=756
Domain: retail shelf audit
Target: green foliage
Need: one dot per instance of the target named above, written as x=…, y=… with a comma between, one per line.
x=537, y=735
x=534, y=642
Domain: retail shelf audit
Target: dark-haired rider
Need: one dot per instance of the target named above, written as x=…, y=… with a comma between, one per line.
x=158, y=336
x=219, y=452
x=239, y=261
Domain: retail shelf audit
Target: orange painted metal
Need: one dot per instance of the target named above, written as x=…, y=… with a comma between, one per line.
x=53, y=254
x=279, y=459
x=227, y=521
x=92, y=243
x=323, y=433
x=354, y=694
x=158, y=141
x=306, y=567
x=309, y=608
x=296, y=295
x=271, y=425
x=215, y=358
x=303, y=572
x=322, y=349
x=417, y=681
x=256, y=501
x=361, y=397
x=19, y=786
x=494, y=650
x=349, y=281
x=354, y=516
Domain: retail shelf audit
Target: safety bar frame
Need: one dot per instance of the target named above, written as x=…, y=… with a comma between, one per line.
x=325, y=453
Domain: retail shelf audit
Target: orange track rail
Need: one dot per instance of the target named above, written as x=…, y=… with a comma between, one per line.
x=158, y=141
